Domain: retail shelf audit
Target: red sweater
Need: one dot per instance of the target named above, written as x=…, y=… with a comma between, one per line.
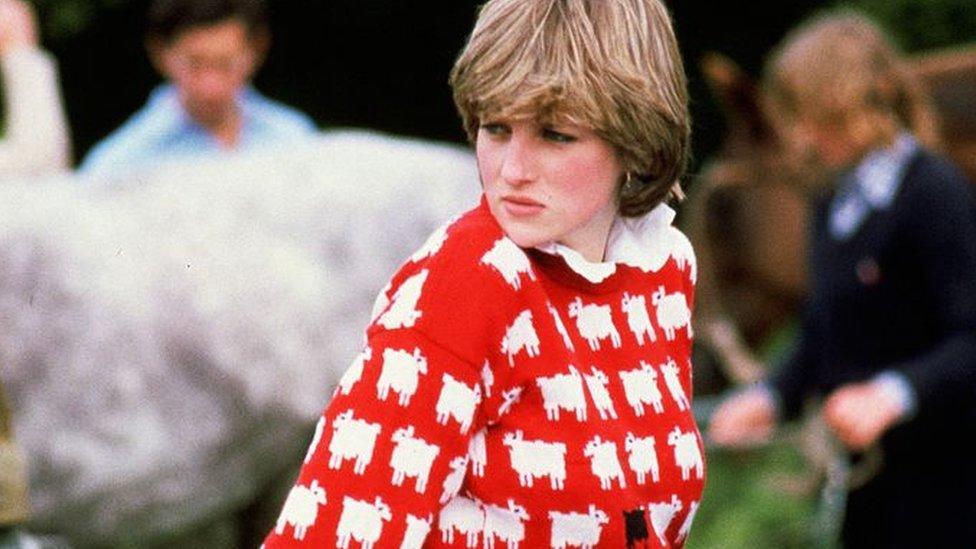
x=504, y=398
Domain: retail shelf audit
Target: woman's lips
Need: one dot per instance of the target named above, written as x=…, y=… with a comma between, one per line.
x=517, y=206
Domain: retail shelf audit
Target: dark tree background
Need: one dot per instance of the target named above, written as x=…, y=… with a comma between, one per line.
x=383, y=64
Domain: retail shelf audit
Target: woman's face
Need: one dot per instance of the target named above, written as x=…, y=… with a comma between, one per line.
x=548, y=183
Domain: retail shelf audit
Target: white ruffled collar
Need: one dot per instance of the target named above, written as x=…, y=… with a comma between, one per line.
x=629, y=240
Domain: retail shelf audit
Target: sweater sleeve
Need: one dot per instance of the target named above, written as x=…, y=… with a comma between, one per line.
x=942, y=230
x=390, y=449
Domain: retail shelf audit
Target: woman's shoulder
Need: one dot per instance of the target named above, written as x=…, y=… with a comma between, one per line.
x=459, y=286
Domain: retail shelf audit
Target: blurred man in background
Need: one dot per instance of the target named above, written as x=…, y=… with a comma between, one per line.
x=208, y=50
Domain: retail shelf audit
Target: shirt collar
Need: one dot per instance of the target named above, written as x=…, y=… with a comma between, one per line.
x=878, y=176
x=165, y=102
x=629, y=240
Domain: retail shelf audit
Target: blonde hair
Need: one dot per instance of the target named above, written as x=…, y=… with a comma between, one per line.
x=840, y=70
x=610, y=65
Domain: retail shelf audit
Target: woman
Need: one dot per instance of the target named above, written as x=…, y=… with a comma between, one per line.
x=527, y=375
x=889, y=333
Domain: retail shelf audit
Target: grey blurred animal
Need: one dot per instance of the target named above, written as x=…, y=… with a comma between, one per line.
x=164, y=340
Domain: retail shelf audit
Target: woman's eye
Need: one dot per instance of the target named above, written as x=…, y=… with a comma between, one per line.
x=557, y=136
x=494, y=128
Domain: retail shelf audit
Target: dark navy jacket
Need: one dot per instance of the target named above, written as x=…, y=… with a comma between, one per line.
x=900, y=294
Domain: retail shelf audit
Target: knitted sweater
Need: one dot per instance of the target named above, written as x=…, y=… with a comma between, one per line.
x=506, y=397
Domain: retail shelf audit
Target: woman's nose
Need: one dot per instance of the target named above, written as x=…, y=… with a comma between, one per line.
x=518, y=164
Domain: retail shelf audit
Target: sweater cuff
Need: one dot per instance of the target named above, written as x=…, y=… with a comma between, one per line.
x=897, y=387
x=772, y=396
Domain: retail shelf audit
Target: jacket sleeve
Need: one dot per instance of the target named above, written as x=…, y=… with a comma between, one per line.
x=390, y=449
x=791, y=379
x=942, y=231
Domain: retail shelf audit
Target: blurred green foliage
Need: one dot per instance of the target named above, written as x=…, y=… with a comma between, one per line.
x=745, y=504
x=919, y=25
x=62, y=19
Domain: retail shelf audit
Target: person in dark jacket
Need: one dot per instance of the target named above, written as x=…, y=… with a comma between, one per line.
x=888, y=335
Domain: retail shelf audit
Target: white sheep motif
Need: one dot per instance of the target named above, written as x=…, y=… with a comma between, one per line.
x=521, y=335
x=381, y=302
x=352, y=439
x=361, y=521
x=301, y=509
x=684, y=254
x=454, y=479
x=433, y=243
x=354, y=373
x=478, y=452
x=672, y=312
x=457, y=400
x=416, y=532
x=594, y=323
x=640, y=387
x=412, y=457
x=401, y=372
x=537, y=458
x=316, y=438
x=597, y=383
x=507, y=524
x=463, y=515
x=662, y=514
x=509, y=398
x=635, y=307
x=563, y=391
x=689, y=518
x=667, y=243
x=687, y=454
x=578, y=529
x=642, y=457
x=402, y=312
x=487, y=378
x=510, y=261
x=670, y=371
x=560, y=327
x=604, y=462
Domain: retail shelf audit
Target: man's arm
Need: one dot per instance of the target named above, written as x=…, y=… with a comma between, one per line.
x=35, y=139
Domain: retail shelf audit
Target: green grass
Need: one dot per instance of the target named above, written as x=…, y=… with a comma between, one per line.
x=744, y=505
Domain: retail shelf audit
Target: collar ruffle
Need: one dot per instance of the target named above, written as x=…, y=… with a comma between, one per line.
x=643, y=242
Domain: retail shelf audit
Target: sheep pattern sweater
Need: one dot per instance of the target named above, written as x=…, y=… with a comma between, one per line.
x=504, y=397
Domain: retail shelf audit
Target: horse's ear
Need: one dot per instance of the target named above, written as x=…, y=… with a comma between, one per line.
x=721, y=72
x=738, y=97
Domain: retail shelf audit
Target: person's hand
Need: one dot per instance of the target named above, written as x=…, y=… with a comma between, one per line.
x=859, y=413
x=744, y=419
x=18, y=27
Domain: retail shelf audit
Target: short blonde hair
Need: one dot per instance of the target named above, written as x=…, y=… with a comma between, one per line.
x=610, y=65
x=839, y=69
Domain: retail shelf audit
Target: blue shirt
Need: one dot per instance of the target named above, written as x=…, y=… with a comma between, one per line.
x=162, y=131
